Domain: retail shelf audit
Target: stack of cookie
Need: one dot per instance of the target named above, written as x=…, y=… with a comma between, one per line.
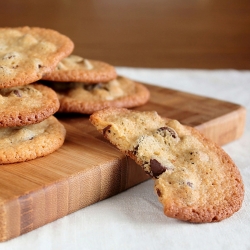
x=28, y=128
x=85, y=86
x=30, y=59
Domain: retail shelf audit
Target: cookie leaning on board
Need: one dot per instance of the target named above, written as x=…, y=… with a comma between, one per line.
x=195, y=179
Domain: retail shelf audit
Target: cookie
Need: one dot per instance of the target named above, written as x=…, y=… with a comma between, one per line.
x=86, y=98
x=77, y=69
x=195, y=179
x=26, y=143
x=27, y=104
x=27, y=53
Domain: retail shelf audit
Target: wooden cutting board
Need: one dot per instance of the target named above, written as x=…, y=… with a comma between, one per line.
x=87, y=169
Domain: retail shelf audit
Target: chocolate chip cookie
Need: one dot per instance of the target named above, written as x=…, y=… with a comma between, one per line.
x=195, y=179
x=77, y=69
x=23, y=105
x=86, y=98
x=27, y=53
x=18, y=144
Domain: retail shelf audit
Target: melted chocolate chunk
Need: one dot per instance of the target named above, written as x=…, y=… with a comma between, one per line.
x=157, y=168
x=106, y=129
x=163, y=130
x=158, y=191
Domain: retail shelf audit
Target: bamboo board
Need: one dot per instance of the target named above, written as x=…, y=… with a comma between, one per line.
x=87, y=169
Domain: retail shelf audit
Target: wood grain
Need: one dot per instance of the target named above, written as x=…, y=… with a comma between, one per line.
x=87, y=169
x=144, y=33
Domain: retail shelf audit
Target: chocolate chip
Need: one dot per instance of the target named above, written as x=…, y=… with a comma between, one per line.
x=106, y=129
x=190, y=184
x=162, y=131
x=88, y=87
x=157, y=168
x=17, y=93
x=135, y=149
x=158, y=191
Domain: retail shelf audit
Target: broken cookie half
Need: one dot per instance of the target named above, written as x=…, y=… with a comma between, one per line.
x=195, y=179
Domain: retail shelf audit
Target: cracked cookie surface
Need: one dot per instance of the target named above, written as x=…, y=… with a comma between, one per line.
x=195, y=179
